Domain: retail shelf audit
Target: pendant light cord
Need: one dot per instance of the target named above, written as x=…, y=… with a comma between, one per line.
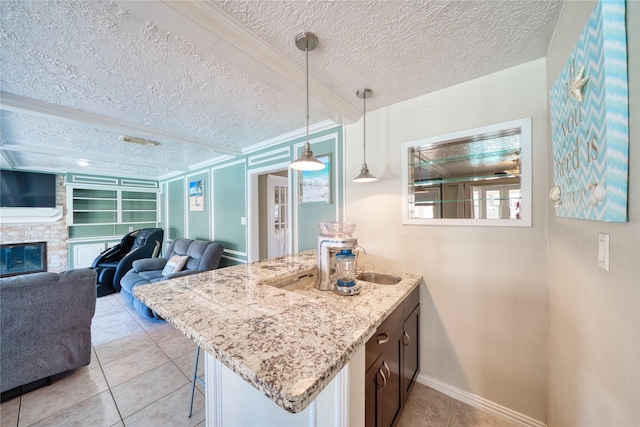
x=364, y=128
x=307, y=87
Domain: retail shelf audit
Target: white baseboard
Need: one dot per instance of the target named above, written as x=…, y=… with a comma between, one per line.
x=480, y=402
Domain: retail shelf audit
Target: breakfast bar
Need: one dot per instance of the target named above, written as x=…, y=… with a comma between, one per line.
x=271, y=338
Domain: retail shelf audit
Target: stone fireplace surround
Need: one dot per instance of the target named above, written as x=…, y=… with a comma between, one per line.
x=56, y=234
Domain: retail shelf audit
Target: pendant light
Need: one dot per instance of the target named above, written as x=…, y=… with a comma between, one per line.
x=365, y=175
x=306, y=161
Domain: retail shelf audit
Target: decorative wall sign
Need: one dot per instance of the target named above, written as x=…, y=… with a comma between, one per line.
x=196, y=195
x=589, y=121
x=315, y=186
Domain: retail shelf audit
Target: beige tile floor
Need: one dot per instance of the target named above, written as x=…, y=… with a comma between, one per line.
x=427, y=407
x=140, y=375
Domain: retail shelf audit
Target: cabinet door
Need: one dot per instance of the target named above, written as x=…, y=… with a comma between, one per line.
x=372, y=412
x=410, y=352
x=84, y=254
x=391, y=393
x=383, y=390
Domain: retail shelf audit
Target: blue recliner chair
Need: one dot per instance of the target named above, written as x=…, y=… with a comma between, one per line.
x=112, y=264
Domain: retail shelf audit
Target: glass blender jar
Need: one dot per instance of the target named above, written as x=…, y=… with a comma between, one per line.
x=346, y=272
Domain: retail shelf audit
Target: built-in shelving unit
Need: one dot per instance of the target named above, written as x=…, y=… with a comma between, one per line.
x=102, y=209
x=90, y=206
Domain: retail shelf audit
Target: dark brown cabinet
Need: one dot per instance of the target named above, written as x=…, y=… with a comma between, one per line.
x=383, y=395
x=411, y=352
x=392, y=363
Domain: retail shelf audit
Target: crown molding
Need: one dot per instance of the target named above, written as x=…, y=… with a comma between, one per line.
x=286, y=137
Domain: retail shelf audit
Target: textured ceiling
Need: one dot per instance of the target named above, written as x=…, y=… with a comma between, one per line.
x=212, y=79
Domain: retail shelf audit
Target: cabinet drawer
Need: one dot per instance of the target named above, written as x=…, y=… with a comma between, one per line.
x=411, y=302
x=383, y=336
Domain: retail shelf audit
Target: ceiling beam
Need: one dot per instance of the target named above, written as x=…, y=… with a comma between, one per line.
x=21, y=104
x=236, y=45
x=95, y=158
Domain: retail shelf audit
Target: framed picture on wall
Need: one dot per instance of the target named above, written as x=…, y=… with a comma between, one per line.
x=196, y=195
x=315, y=186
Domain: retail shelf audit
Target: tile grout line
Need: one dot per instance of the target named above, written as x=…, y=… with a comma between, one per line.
x=156, y=342
x=78, y=402
x=105, y=376
x=108, y=385
x=161, y=349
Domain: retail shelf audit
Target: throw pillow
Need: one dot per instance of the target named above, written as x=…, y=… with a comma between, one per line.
x=175, y=264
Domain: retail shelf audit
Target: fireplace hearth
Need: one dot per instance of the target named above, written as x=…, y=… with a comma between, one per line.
x=22, y=258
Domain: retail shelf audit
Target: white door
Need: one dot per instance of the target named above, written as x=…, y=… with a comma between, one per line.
x=277, y=215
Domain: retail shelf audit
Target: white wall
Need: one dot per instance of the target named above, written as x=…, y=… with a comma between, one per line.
x=485, y=301
x=594, y=316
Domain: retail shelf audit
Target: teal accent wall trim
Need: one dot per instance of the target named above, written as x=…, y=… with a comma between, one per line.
x=228, y=164
x=229, y=205
x=237, y=253
x=176, y=209
x=269, y=157
x=286, y=138
x=238, y=259
x=228, y=194
x=78, y=180
x=228, y=262
x=162, y=203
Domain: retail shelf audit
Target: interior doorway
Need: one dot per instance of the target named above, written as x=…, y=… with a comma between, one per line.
x=269, y=219
x=277, y=210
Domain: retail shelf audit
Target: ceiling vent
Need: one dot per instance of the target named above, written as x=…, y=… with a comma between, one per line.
x=141, y=141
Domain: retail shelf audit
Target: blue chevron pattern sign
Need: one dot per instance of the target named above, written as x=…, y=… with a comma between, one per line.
x=590, y=121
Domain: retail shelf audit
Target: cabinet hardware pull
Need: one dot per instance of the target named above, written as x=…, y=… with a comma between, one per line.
x=383, y=338
x=388, y=370
x=384, y=379
x=408, y=339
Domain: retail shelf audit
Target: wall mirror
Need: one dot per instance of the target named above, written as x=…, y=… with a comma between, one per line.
x=474, y=177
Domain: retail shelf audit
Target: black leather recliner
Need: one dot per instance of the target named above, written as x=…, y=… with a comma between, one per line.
x=112, y=264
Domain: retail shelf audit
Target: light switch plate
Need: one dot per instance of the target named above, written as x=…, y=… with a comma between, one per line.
x=603, y=251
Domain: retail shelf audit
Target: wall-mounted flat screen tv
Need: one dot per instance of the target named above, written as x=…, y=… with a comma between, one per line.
x=27, y=189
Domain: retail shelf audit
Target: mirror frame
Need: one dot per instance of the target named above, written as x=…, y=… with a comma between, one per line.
x=525, y=219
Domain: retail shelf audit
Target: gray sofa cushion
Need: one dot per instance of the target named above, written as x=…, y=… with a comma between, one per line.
x=203, y=256
x=46, y=324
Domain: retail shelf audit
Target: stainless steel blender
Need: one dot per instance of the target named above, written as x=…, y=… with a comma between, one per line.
x=334, y=237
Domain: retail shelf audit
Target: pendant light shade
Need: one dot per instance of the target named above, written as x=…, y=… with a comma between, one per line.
x=365, y=175
x=306, y=162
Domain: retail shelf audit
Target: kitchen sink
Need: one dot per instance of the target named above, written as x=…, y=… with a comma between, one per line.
x=379, y=278
x=294, y=283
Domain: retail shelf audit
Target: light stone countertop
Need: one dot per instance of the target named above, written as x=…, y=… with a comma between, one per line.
x=287, y=344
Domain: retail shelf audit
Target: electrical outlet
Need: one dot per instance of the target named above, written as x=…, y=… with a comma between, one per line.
x=243, y=220
x=130, y=229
